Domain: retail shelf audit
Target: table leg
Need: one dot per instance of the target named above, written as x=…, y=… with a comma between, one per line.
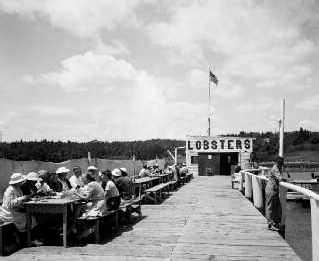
x=65, y=231
x=28, y=216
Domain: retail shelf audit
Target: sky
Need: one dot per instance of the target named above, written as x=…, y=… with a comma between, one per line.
x=133, y=70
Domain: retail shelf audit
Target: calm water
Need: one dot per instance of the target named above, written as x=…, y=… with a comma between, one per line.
x=298, y=224
x=298, y=229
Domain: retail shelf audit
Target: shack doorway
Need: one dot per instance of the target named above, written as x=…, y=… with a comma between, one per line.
x=210, y=164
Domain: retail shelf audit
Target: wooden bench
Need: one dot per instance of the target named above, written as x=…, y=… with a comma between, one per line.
x=182, y=180
x=172, y=185
x=8, y=238
x=155, y=192
x=189, y=177
x=132, y=206
x=96, y=223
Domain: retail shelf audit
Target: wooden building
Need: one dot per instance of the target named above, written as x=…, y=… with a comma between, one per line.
x=208, y=156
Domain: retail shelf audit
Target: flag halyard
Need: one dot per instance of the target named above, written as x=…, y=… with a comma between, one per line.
x=213, y=78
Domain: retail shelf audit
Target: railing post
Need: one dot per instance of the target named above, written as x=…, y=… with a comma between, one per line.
x=257, y=193
x=241, y=182
x=315, y=228
x=283, y=203
x=248, y=186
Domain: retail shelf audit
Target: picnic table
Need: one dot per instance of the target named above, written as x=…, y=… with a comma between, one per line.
x=164, y=177
x=49, y=205
x=148, y=181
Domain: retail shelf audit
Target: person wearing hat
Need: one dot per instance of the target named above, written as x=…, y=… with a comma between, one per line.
x=94, y=194
x=93, y=170
x=124, y=184
x=12, y=205
x=273, y=206
x=59, y=181
x=112, y=195
x=29, y=186
x=76, y=179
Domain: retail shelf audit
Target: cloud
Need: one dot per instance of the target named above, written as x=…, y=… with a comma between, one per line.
x=89, y=71
x=244, y=39
x=310, y=103
x=82, y=18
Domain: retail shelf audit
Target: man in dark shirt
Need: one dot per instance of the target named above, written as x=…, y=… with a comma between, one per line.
x=124, y=184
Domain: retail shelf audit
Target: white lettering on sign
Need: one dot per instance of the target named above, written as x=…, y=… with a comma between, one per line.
x=219, y=144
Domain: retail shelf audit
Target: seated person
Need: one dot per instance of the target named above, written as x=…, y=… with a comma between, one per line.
x=76, y=179
x=183, y=171
x=94, y=194
x=35, y=186
x=123, y=183
x=29, y=187
x=44, y=175
x=112, y=194
x=59, y=181
x=144, y=172
x=13, y=210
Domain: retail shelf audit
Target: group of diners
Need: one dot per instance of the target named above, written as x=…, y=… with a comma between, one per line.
x=177, y=171
x=101, y=191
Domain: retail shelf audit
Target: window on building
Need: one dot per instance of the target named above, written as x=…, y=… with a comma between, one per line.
x=194, y=159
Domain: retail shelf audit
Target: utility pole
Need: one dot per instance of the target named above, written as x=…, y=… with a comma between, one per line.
x=282, y=128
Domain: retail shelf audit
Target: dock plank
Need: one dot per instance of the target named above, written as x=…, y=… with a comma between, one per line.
x=204, y=220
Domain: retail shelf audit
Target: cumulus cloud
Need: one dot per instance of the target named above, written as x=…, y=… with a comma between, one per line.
x=245, y=39
x=83, y=18
x=88, y=71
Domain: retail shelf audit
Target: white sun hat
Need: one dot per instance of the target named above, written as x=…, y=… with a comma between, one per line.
x=62, y=170
x=16, y=178
x=116, y=173
x=33, y=176
x=92, y=167
x=123, y=170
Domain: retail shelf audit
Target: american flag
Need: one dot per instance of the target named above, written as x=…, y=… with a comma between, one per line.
x=213, y=78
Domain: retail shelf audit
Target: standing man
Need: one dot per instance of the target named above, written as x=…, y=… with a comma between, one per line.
x=273, y=206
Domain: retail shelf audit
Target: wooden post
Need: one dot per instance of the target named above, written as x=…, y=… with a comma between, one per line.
x=241, y=182
x=283, y=202
x=257, y=193
x=315, y=228
x=282, y=129
x=248, y=187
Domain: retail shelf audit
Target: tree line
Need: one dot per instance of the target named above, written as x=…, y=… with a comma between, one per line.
x=265, y=147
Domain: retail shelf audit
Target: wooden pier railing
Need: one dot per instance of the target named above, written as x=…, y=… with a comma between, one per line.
x=252, y=186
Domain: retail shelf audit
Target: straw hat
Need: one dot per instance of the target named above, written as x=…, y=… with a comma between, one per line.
x=123, y=170
x=92, y=168
x=116, y=173
x=16, y=178
x=62, y=170
x=33, y=176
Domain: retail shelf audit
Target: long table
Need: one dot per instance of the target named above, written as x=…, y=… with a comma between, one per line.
x=146, y=180
x=49, y=205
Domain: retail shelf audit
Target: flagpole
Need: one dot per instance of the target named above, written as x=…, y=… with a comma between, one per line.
x=209, y=102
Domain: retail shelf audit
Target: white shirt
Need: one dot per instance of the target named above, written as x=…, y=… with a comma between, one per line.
x=76, y=181
x=111, y=190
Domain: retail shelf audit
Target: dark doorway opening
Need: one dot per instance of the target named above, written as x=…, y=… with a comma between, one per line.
x=210, y=164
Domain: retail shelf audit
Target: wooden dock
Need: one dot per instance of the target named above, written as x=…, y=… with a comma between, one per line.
x=203, y=220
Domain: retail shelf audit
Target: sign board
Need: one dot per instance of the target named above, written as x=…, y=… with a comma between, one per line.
x=218, y=144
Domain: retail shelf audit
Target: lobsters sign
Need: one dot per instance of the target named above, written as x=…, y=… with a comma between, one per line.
x=219, y=144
